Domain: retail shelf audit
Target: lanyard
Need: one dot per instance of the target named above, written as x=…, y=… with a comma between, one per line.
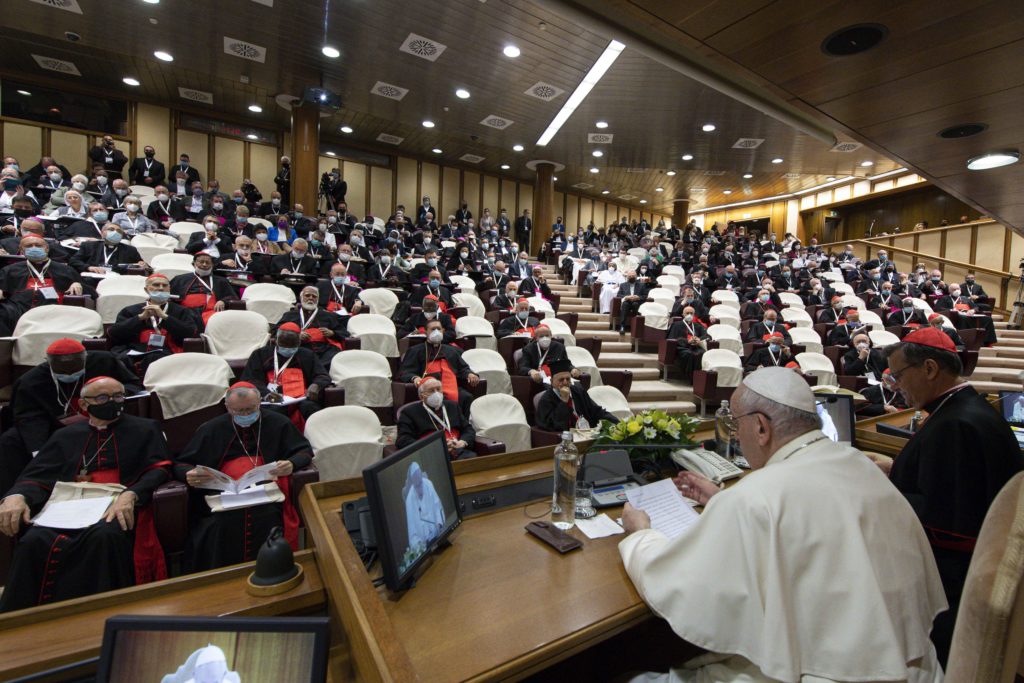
x=149, y=164
x=64, y=404
x=302, y=317
x=774, y=359
x=279, y=369
x=691, y=329
x=441, y=422
x=99, y=449
x=426, y=353
x=203, y=283
x=106, y=256
x=39, y=275
x=295, y=265
x=340, y=295
x=241, y=441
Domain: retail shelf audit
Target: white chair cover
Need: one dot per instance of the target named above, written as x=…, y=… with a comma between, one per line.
x=871, y=318
x=728, y=338
x=39, y=327
x=677, y=271
x=725, y=314
x=186, y=382
x=559, y=328
x=831, y=276
x=806, y=337
x=256, y=220
x=471, y=302
x=541, y=305
x=501, y=417
x=183, y=230
x=146, y=200
x=797, y=317
x=842, y=288
x=770, y=264
x=155, y=239
x=639, y=253
x=448, y=244
x=663, y=296
x=365, y=376
x=479, y=327
x=818, y=365
x=854, y=301
x=109, y=305
x=234, y=335
x=582, y=359
x=726, y=363
x=148, y=252
x=922, y=305
x=655, y=315
x=489, y=365
x=142, y=190
x=171, y=264
x=626, y=263
x=725, y=297
x=882, y=338
x=792, y=300
x=381, y=301
x=122, y=284
x=345, y=439
x=464, y=283
x=415, y=262
x=612, y=400
x=376, y=333
x=269, y=300
x=670, y=282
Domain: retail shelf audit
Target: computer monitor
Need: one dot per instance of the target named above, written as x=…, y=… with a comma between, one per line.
x=837, y=417
x=185, y=649
x=413, y=505
x=1012, y=403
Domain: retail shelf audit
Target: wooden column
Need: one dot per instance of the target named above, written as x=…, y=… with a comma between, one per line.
x=680, y=213
x=305, y=156
x=543, y=205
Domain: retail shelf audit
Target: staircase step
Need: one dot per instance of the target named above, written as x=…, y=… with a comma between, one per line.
x=592, y=325
x=996, y=374
x=606, y=335
x=995, y=362
x=573, y=308
x=1002, y=351
x=989, y=387
x=640, y=374
x=589, y=315
x=670, y=407
x=623, y=347
x=653, y=390
x=609, y=359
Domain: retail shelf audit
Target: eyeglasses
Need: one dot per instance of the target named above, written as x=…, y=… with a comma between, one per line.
x=100, y=399
x=896, y=374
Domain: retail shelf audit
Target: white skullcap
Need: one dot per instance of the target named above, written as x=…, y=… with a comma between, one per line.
x=210, y=653
x=782, y=386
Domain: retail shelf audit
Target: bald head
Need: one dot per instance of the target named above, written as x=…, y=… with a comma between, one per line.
x=104, y=385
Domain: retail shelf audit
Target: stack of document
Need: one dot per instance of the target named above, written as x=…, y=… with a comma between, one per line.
x=242, y=492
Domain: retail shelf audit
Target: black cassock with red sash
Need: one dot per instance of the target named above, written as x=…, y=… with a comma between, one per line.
x=223, y=538
x=53, y=564
x=151, y=336
x=201, y=294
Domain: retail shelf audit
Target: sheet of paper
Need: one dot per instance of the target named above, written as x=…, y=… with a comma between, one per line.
x=231, y=501
x=600, y=526
x=254, y=476
x=73, y=514
x=665, y=505
x=220, y=482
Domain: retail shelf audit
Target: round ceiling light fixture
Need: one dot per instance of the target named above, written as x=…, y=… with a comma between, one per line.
x=708, y=127
x=346, y=129
x=163, y=56
x=428, y=123
x=659, y=189
x=777, y=160
x=437, y=150
x=462, y=94
x=505, y=167
x=517, y=148
x=670, y=173
x=601, y=124
x=597, y=153
x=993, y=160
x=595, y=169
x=330, y=51
x=748, y=176
x=605, y=191
x=687, y=157
x=255, y=108
x=128, y=80
x=726, y=191
x=853, y=40
x=866, y=164
x=511, y=51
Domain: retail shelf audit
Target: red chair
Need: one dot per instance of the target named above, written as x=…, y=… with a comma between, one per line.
x=706, y=389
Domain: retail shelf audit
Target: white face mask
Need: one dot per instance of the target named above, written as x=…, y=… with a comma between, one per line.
x=131, y=208
x=162, y=197
x=862, y=346
x=435, y=400
x=544, y=342
x=435, y=336
x=79, y=185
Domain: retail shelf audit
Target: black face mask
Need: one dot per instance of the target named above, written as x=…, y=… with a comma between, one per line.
x=110, y=410
x=23, y=213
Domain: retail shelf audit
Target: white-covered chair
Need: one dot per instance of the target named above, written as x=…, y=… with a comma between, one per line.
x=257, y=221
x=145, y=201
x=670, y=282
x=655, y=315
x=122, y=284
x=541, y=305
x=581, y=358
x=797, y=317
x=478, y=327
x=725, y=315
x=186, y=382
x=142, y=190
x=171, y=264
x=676, y=271
x=471, y=302
x=728, y=338
x=842, y=288
x=152, y=244
x=639, y=253
x=882, y=338
x=464, y=283
x=854, y=301
x=108, y=305
x=183, y=231
x=234, y=335
x=448, y=244
x=489, y=365
x=612, y=400
x=39, y=327
x=725, y=297
x=501, y=417
x=831, y=276
x=148, y=252
x=818, y=365
x=380, y=300
x=269, y=300
x=375, y=332
x=665, y=297
x=345, y=439
x=364, y=375
x=727, y=364
x=792, y=300
x=806, y=337
x=560, y=329
x=871, y=318
x=922, y=305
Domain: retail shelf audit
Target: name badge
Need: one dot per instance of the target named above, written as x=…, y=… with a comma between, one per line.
x=147, y=175
x=157, y=341
x=109, y=160
x=49, y=293
x=272, y=388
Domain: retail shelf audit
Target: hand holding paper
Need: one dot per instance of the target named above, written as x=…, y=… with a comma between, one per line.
x=664, y=504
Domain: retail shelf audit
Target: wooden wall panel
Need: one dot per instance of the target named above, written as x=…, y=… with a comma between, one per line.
x=153, y=127
x=560, y=204
x=263, y=167
x=572, y=212
x=324, y=165
x=993, y=253
x=904, y=262
x=430, y=186
x=510, y=200
x=451, y=196
x=958, y=245
x=526, y=198
x=599, y=209
x=586, y=213
x=406, y=186
x=229, y=162
x=929, y=243
x=903, y=209
x=195, y=145
x=355, y=176
x=471, y=191
x=25, y=143
x=491, y=199
x=382, y=204
x=64, y=145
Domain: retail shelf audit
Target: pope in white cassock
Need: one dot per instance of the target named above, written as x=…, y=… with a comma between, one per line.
x=811, y=568
x=424, y=514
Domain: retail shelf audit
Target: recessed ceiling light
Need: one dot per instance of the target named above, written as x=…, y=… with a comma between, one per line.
x=993, y=160
x=777, y=160
x=428, y=124
x=853, y=40
x=26, y=93
x=593, y=77
x=462, y=94
x=128, y=80
x=151, y=2
x=505, y=167
x=331, y=52
x=659, y=189
x=670, y=173
x=511, y=51
x=330, y=154
x=554, y=179
x=708, y=127
x=517, y=148
x=830, y=178
x=255, y=108
x=748, y=175
x=163, y=56
x=865, y=164
x=437, y=150
x=726, y=191
x=253, y=136
x=598, y=153
x=643, y=201
x=346, y=129
x=687, y=157
x=601, y=124
x=605, y=192
x=595, y=169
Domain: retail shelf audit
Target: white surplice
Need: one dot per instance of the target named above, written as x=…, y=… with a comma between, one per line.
x=610, y=281
x=814, y=568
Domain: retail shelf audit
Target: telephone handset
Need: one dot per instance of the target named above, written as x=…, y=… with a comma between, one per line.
x=711, y=465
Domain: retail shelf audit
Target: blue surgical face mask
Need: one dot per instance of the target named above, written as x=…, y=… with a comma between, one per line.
x=298, y=214
x=431, y=262
x=340, y=279
x=113, y=237
x=246, y=420
x=99, y=216
x=435, y=283
x=774, y=347
x=35, y=253
x=160, y=297
x=69, y=379
x=287, y=351
x=523, y=315
x=237, y=200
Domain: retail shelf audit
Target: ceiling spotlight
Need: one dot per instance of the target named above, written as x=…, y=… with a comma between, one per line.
x=708, y=127
x=346, y=129
x=253, y=136
x=830, y=178
x=659, y=189
x=726, y=191
x=865, y=164
x=151, y=2
x=670, y=173
x=331, y=52
x=554, y=179
x=128, y=80
x=163, y=56
x=777, y=160
x=511, y=51
x=462, y=94
x=505, y=167
x=595, y=169
x=598, y=153
x=437, y=150
x=330, y=154
x=601, y=124
x=26, y=93
x=605, y=192
x=517, y=148
x=428, y=124
x=687, y=157
x=993, y=160
x=255, y=108
x=748, y=175
x=643, y=201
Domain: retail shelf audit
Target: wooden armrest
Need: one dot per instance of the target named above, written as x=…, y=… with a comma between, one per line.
x=487, y=446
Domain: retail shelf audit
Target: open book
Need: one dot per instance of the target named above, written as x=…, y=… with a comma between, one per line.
x=222, y=482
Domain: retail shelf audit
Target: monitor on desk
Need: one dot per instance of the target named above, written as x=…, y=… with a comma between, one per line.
x=1012, y=403
x=413, y=505
x=837, y=417
x=187, y=649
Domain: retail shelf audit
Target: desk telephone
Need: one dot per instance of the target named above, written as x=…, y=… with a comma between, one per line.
x=711, y=465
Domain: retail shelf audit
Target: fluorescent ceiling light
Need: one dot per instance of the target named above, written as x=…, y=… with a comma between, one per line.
x=708, y=127
x=595, y=169
x=331, y=52
x=670, y=173
x=777, y=160
x=26, y=93
x=255, y=108
x=603, y=63
x=687, y=157
x=437, y=150
x=511, y=51
x=598, y=153
x=505, y=167
x=163, y=56
x=346, y=129
x=748, y=175
x=865, y=164
x=428, y=124
x=462, y=94
x=128, y=80
x=601, y=124
x=517, y=148
x=993, y=160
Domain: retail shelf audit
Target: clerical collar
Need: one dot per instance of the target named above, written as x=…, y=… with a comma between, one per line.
x=933, y=406
x=796, y=444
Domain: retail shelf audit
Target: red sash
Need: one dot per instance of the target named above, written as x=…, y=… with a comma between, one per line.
x=449, y=382
x=448, y=434
x=293, y=384
x=33, y=285
x=333, y=305
x=236, y=467
x=168, y=340
x=203, y=301
x=148, y=554
x=317, y=337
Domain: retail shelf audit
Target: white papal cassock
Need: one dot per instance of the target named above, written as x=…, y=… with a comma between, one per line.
x=813, y=568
